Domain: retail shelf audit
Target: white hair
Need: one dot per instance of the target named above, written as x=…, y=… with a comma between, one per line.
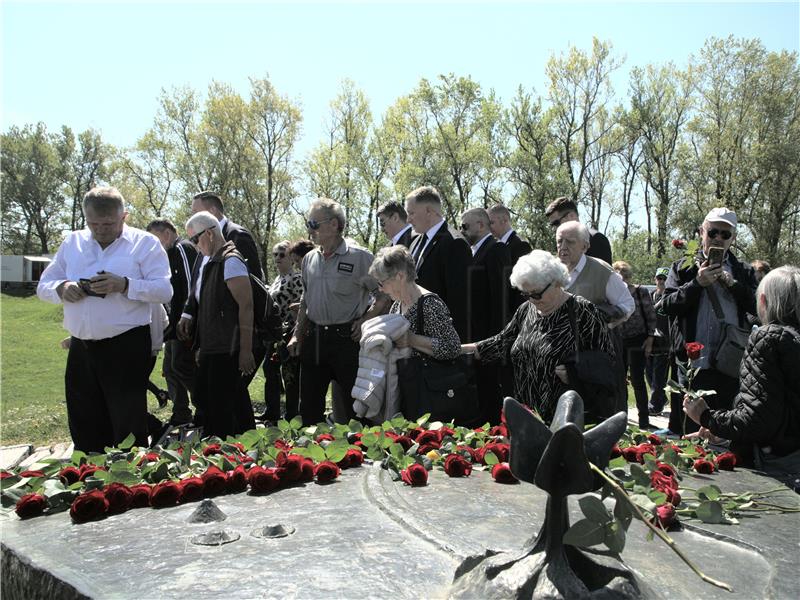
x=332, y=209
x=581, y=229
x=537, y=269
x=781, y=290
x=201, y=221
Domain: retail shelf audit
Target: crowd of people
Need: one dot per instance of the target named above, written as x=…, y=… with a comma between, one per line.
x=535, y=324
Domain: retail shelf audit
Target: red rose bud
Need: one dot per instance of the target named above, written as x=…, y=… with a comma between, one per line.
x=666, y=469
x=282, y=445
x=700, y=450
x=119, y=497
x=666, y=515
x=415, y=475
x=679, y=244
x=237, y=480
x=192, y=490
x=5, y=475
x=140, y=495
x=654, y=439
x=616, y=452
x=501, y=473
x=88, y=506
x=391, y=435
x=164, y=494
x=289, y=467
x=69, y=475
x=30, y=505
x=326, y=471
x=643, y=449
x=214, y=481
x=471, y=452
x=501, y=451
x=446, y=432
x=263, y=481
x=405, y=441
x=212, y=449
x=499, y=430
x=631, y=454
x=425, y=448
x=703, y=466
x=726, y=461
x=429, y=437
x=148, y=457
x=693, y=350
x=238, y=446
x=353, y=458
x=661, y=482
x=32, y=474
x=673, y=497
x=323, y=437
x=307, y=470
x=414, y=433
x=89, y=470
x=456, y=465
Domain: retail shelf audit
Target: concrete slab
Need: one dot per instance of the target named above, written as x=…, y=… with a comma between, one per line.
x=11, y=456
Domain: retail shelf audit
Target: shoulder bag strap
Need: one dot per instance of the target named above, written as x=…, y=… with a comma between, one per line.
x=573, y=323
x=420, y=328
x=712, y=295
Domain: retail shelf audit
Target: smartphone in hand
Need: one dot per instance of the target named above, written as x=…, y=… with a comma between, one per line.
x=86, y=286
x=715, y=255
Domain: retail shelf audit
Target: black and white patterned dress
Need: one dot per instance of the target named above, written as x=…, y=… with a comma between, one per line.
x=445, y=342
x=285, y=291
x=537, y=343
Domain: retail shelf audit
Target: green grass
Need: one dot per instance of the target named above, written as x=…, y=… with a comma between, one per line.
x=32, y=406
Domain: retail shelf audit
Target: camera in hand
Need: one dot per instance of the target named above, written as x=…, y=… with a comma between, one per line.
x=715, y=255
x=86, y=286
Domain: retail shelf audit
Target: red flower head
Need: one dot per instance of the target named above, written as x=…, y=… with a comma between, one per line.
x=238, y=446
x=192, y=490
x=289, y=467
x=307, y=470
x=282, y=445
x=665, y=515
x=263, y=480
x=693, y=350
x=501, y=473
x=237, y=480
x=700, y=450
x=654, y=439
x=322, y=437
x=148, y=457
x=415, y=475
x=88, y=506
x=501, y=451
x=631, y=454
x=405, y=441
x=446, y=431
x=456, y=465
x=643, y=449
x=679, y=244
x=666, y=469
x=119, y=498
x=5, y=474
x=140, y=496
x=701, y=465
x=429, y=437
x=326, y=471
x=69, y=475
x=88, y=470
x=164, y=494
x=215, y=482
x=473, y=454
x=615, y=451
x=414, y=433
x=673, y=497
x=499, y=430
x=32, y=474
x=212, y=449
x=662, y=482
x=391, y=435
x=425, y=448
x=353, y=458
x=30, y=505
x=726, y=461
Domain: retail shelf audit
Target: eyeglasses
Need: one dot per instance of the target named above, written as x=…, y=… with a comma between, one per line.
x=464, y=226
x=713, y=233
x=381, y=282
x=196, y=237
x=314, y=225
x=535, y=295
x=382, y=223
x=278, y=255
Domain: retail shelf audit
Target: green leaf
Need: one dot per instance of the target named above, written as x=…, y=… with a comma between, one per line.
x=9, y=498
x=615, y=536
x=316, y=452
x=296, y=422
x=639, y=475
x=386, y=441
x=78, y=458
x=423, y=419
x=128, y=442
x=594, y=509
x=249, y=439
x=412, y=450
x=159, y=473
x=670, y=457
x=120, y=465
x=369, y=440
x=585, y=533
x=375, y=453
x=623, y=512
x=490, y=458
x=284, y=426
x=644, y=503
x=657, y=497
x=396, y=450
x=399, y=422
x=355, y=426
x=710, y=512
x=336, y=450
x=125, y=477
x=709, y=492
x=617, y=463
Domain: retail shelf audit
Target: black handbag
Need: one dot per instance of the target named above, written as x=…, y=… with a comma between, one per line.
x=444, y=388
x=727, y=357
x=593, y=374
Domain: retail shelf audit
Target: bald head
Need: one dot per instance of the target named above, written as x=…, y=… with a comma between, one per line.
x=475, y=225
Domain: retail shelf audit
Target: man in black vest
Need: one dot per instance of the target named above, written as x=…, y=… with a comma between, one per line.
x=392, y=220
x=563, y=210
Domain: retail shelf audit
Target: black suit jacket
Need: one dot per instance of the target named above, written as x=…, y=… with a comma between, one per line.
x=518, y=248
x=246, y=246
x=488, y=302
x=599, y=246
x=182, y=257
x=407, y=237
x=442, y=269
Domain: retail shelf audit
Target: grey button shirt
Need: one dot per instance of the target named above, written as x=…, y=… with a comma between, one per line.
x=337, y=289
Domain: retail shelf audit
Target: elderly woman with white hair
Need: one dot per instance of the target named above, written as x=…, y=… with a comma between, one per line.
x=764, y=423
x=540, y=339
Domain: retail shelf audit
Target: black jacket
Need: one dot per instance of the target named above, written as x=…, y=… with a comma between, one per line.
x=181, y=262
x=406, y=238
x=766, y=411
x=517, y=247
x=599, y=246
x=489, y=291
x=442, y=269
x=246, y=246
x=682, y=299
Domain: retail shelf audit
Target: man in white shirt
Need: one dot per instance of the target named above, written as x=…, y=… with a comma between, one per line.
x=107, y=276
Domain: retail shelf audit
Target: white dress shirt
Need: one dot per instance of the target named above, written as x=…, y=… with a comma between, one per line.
x=506, y=235
x=479, y=243
x=430, y=233
x=617, y=293
x=135, y=254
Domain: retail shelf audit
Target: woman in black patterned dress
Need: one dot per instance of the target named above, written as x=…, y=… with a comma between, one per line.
x=539, y=338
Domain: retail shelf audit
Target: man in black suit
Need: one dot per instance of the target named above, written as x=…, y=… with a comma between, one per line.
x=562, y=210
x=500, y=226
x=488, y=305
x=442, y=260
x=392, y=220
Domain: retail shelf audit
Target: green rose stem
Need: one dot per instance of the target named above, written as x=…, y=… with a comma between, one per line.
x=621, y=493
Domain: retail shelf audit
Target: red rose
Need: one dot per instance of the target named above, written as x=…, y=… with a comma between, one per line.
x=192, y=490
x=238, y=446
x=237, y=480
x=445, y=432
x=141, y=495
x=289, y=467
x=5, y=475
x=414, y=433
x=425, y=448
x=32, y=474
x=499, y=430
x=263, y=480
x=214, y=481
x=148, y=457
x=405, y=441
x=666, y=469
x=616, y=452
x=456, y=465
x=360, y=445
x=501, y=451
x=679, y=244
x=693, y=350
x=726, y=461
x=631, y=454
x=322, y=437
x=501, y=473
x=282, y=445
x=643, y=449
x=353, y=458
x=307, y=470
x=212, y=449
x=69, y=475
x=673, y=497
x=326, y=471
x=665, y=515
x=164, y=494
x=654, y=439
x=701, y=465
x=89, y=470
x=30, y=505
x=391, y=435
x=429, y=437
x=700, y=450
x=662, y=482
x=415, y=475
x=88, y=506
x=471, y=452
x=119, y=497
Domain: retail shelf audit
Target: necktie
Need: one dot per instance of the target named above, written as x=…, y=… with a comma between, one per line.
x=418, y=250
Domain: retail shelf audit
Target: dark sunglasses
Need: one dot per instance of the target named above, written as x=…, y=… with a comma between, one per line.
x=535, y=295
x=556, y=223
x=713, y=233
x=278, y=255
x=314, y=225
x=196, y=237
x=464, y=226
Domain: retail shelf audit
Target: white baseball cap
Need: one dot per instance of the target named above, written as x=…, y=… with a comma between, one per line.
x=721, y=215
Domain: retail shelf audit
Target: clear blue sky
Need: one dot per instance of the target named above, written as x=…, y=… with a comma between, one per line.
x=102, y=64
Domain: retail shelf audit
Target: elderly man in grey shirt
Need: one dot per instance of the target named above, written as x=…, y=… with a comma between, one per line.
x=336, y=301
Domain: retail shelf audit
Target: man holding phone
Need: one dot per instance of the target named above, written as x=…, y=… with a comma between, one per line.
x=717, y=288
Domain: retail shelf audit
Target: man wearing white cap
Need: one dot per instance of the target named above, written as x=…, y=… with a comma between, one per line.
x=714, y=292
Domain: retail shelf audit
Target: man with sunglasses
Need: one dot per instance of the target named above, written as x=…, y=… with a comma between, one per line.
x=392, y=221
x=688, y=299
x=563, y=210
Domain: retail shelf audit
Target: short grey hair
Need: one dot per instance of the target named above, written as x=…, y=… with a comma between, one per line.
x=479, y=214
x=332, y=209
x=580, y=228
x=781, y=290
x=537, y=269
x=104, y=200
x=283, y=245
x=203, y=220
x=393, y=260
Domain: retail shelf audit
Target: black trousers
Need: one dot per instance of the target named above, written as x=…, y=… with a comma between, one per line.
x=634, y=361
x=221, y=396
x=179, y=372
x=327, y=353
x=488, y=378
x=281, y=375
x=106, y=389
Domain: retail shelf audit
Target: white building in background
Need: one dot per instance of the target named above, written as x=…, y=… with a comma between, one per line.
x=22, y=271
